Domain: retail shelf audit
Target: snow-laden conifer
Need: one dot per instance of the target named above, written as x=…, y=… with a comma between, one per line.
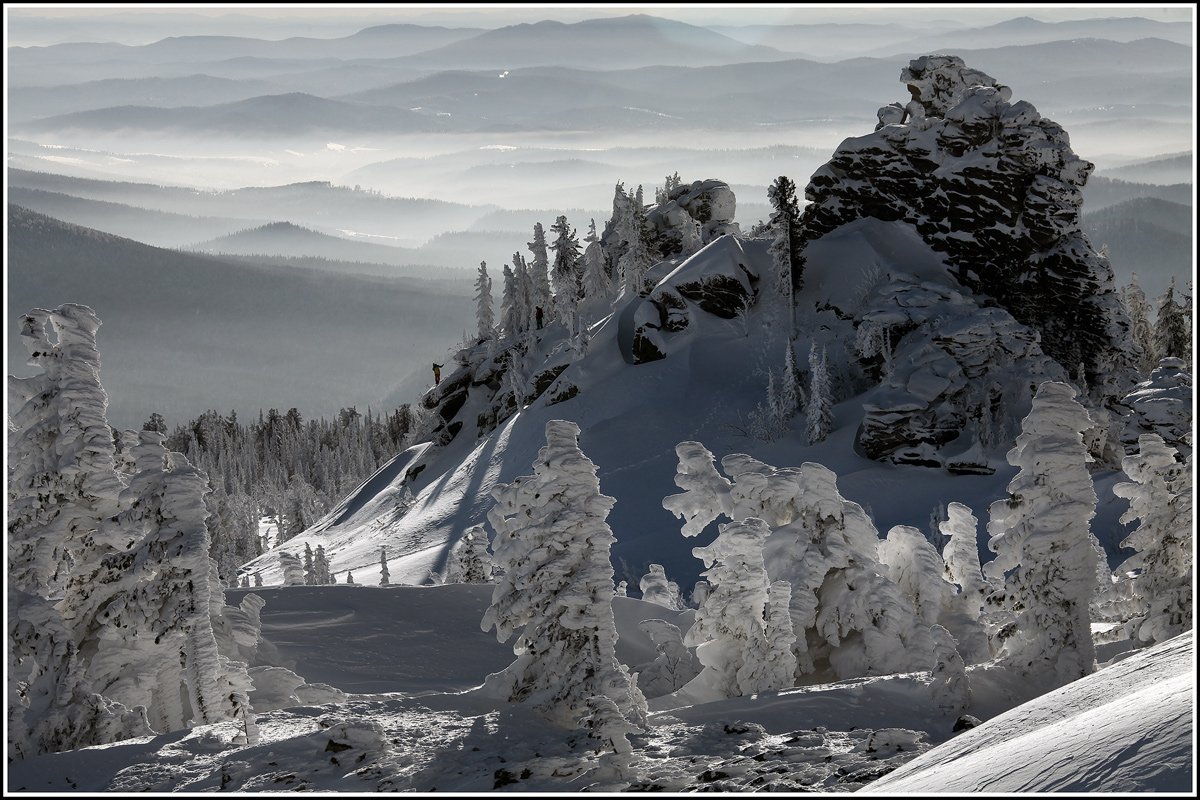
x=786, y=260
x=310, y=575
x=1172, y=327
x=849, y=617
x=728, y=633
x=775, y=664
x=293, y=570
x=657, y=589
x=916, y=567
x=510, y=304
x=484, y=318
x=961, y=556
x=674, y=665
x=1157, y=598
x=950, y=685
x=321, y=574
x=540, y=295
x=819, y=411
x=553, y=543
x=470, y=561
x=384, y=574
x=597, y=285
x=1140, y=330
x=1045, y=557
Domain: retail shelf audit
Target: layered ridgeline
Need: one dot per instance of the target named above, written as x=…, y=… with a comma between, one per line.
x=937, y=278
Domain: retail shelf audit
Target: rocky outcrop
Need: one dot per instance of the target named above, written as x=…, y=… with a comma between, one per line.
x=995, y=187
x=692, y=216
x=955, y=377
x=718, y=280
x=1161, y=404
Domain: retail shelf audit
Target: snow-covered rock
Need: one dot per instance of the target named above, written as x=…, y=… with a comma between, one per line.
x=995, y=187
x=1162, y=404
x=954, y=376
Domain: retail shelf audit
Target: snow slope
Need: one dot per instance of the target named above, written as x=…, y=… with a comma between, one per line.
x=633, y=415
x=1127, y=728
x=410, y=659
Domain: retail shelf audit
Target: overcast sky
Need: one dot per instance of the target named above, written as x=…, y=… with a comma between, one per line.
x=29, y=24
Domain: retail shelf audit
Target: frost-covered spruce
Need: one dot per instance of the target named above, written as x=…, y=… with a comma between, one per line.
x=706, y=493
x=484, y=318
x=51, y=706
x=321, y=574
x=540, y=295
x=961, y=556
x=145, y=615
x=728, y=633
x=1140, y=330
x=621, y=589
x=293, y=571
x=511, y=304
x=674, y=665
x=856, y=619
x=384, y=574
x=819, y=411
x=597, y=286
x=915, y=566
x=470, y=561
x=950, y=685
x=553, y=543
x=62, y=479
x=776, y=666
x=1045, y=557
x=657, y=589
x=1157, y=600
x=1172, y=327
x=310, y=574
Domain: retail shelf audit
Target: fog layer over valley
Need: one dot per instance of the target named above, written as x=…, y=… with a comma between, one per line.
x=410, y=151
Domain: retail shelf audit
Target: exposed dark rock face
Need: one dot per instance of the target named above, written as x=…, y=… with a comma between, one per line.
x=996, y=187
x=955, y=377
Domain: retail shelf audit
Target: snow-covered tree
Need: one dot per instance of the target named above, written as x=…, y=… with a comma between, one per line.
x=310, y=575
x=775, y=664
x=1157, y=598
x=293, y=570
x=1140, y=330
x=258, y=578
x=484, y=318
x=674, y=665
x=62, y=479
x=1172, y=327
x=636, y=258
x=657, y=589
x=790, y=393
x=622, y=589
x=819, y=411
x=961, y=556
x=849, y=618
x=511, y=304
x=916, y=568
x=321, y=574
x=950, y=686
x=384, y=575
x=567, y=268
x=597, y=286
x=540, y=295
x=527, y=293
x=553, y=543
x=1045, y=556
x=349, y=576
x=787, y=262
x=63, y=486
x=470, y=561
x=729, y=631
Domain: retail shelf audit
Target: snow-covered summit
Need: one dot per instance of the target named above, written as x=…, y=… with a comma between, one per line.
x=995, y=188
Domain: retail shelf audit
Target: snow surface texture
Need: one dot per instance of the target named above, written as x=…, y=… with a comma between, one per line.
x=1126, y=728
